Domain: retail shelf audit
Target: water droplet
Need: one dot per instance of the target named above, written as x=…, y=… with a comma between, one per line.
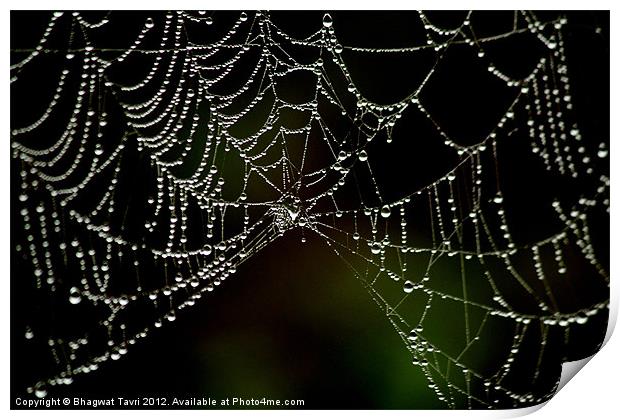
x=149, y=23
x=243, y=17
x=342, y=155
x=602, y=153
x=40, y=391
x=375, y=248
x=327, y=20
x=29, y=334
x=338, y=49
x=385, y=211
x=75, y=296
x=408, y=287
x=209, y=20
x=498, y=199
x=362, y=156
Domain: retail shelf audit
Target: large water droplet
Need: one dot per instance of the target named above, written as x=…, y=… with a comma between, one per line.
x=243, y=17
x=385, y=211
x=29, y=334
x=375, y=248
x=408, y=287
x=75, y=296
x=327, y=20
x=362, y=156
x=40, y=391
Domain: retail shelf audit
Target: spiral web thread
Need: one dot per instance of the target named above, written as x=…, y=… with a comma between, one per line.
x=174, y=110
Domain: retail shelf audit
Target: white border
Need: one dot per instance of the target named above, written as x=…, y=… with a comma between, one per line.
x=593, y=394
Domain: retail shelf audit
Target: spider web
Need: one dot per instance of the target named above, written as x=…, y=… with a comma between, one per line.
x=156, y=169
